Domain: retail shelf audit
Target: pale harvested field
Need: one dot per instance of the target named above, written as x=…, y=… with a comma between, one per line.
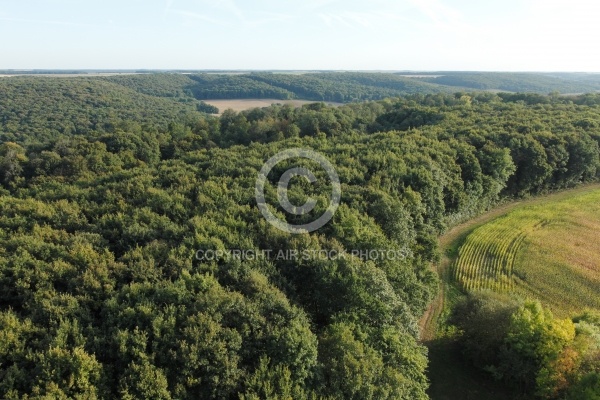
x=83, y=75
x=246, y=104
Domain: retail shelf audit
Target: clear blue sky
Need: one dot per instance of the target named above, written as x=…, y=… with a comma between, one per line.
x=514, y=35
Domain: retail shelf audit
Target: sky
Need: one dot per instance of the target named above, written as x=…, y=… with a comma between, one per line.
x=423, y=35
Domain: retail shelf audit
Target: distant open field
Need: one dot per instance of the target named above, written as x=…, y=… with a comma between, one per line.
x=548, y=250
x=246, y=104
x=90, y=75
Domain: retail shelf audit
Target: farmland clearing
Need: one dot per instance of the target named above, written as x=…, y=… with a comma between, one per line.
x=247, y=104
x=548, y=250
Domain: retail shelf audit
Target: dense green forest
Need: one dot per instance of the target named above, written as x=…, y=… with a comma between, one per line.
x=110, y=187
x=344, y=87
x=520, y=82
x=334, y=86
x=352, y=86
x=41, y=109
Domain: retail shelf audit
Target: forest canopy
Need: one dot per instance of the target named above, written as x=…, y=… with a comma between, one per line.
x=109, y=187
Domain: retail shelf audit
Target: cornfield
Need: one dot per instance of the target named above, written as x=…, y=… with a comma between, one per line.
x=549, y=250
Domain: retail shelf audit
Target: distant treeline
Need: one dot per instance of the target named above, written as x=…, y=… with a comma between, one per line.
x=344, y=87
x=335, y=86
x=521, y=82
